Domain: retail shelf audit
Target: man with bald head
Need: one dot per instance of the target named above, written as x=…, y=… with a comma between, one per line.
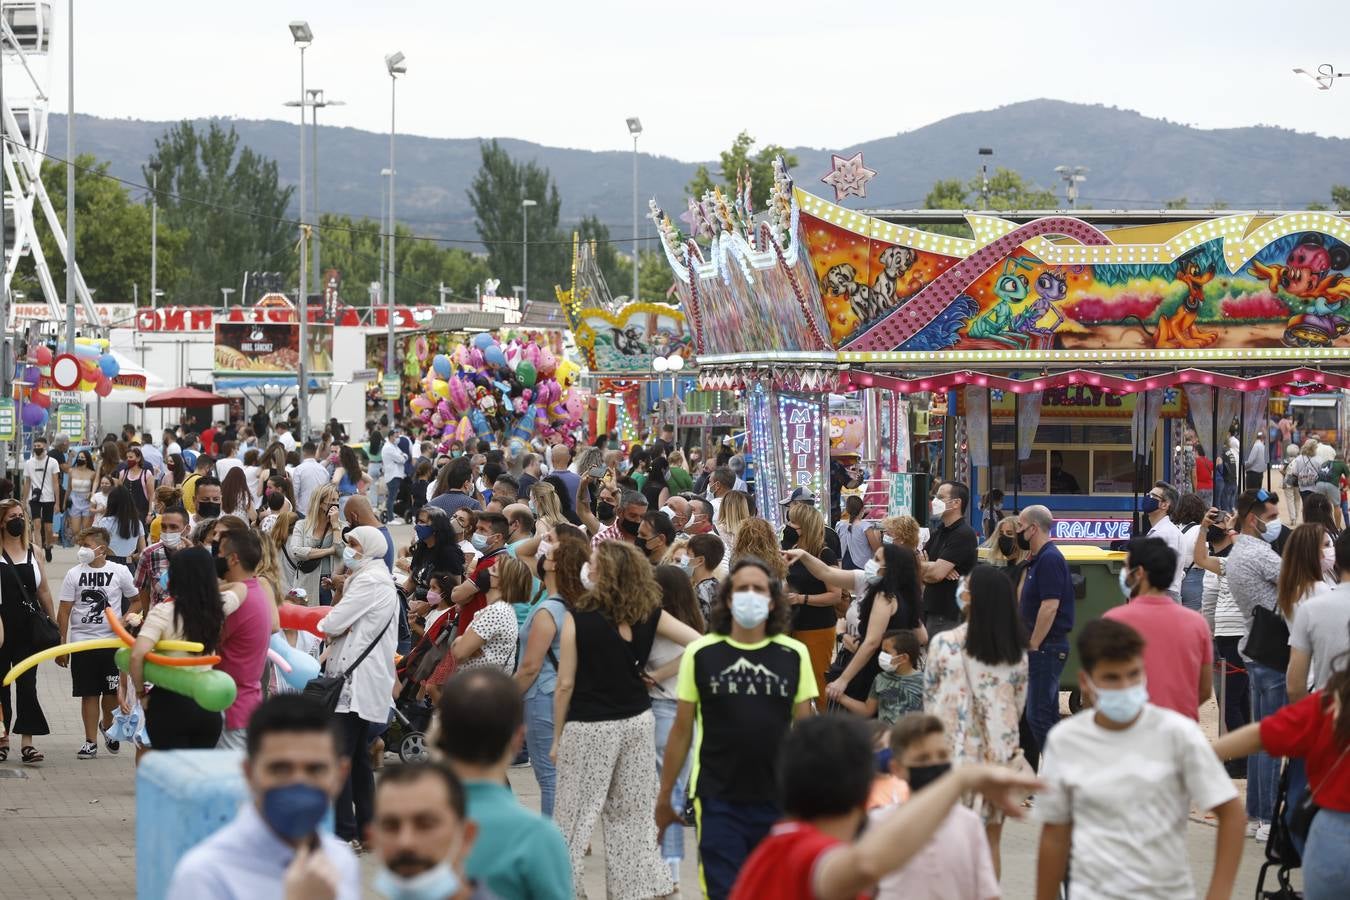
x=560, y=457
x=677, y=510
x=1046, y=605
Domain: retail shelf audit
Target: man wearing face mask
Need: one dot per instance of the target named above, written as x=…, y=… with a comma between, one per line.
x=273, y=848
x=489, y=540
x=1157, y=506
x=632, y=507
x=1126, y=834
x=1178, y=652
x=154, y=564
x=744, y=682
x=208, y=500
x=423, y=835
x=1046, y=605
x=952, y=550
x=244, y=637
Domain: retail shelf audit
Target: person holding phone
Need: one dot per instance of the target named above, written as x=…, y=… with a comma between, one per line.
x=311, y=549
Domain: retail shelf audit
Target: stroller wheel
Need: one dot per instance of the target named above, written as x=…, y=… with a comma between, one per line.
x=413, y=748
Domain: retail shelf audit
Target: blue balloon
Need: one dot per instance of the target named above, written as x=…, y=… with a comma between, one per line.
x=108, y=364
x=483, y=340
x=442, y=365
x=494, y=356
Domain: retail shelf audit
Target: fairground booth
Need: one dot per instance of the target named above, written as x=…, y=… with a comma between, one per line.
x=1056, y=358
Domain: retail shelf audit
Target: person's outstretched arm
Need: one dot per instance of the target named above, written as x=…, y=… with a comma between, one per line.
x=1232, y=820
x=1052, y=861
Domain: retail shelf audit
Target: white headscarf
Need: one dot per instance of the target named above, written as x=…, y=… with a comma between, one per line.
x=373, y=544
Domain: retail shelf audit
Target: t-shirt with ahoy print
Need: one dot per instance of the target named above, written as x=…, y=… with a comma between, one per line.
x=745, y=695
x=90, y=591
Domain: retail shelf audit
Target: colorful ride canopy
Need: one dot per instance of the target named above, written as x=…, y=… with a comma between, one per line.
x=1240, y=289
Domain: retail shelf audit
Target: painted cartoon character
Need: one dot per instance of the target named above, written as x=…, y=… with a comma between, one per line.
x=895, y=262
x=840, y=281
x=1309, y=274
x=1179, y=330
x=628, y=341
x=1051, y=288
x=999, y=322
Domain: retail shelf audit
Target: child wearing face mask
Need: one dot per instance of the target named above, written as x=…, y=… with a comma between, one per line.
x=898, y=687
x=956, y=861
x=89, y=588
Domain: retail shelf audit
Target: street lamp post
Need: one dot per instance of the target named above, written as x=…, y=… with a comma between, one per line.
x=303, y=37
x=225, y=293
x=635, y=129
x=1072, y=176
x=315, y=102
x=394, y=62
x=383, y=274
x=70, y=178
x=155, y=166
x=525, y=248
x=984, y=177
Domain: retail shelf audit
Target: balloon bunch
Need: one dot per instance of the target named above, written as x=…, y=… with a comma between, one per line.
x=98, y=367
x=502, y=392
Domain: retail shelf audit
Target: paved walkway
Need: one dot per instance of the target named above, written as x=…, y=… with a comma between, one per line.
x=67, y=827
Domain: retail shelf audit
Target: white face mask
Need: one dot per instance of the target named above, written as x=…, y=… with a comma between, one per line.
x=886, y=661
x=872, y=569
x=938, y=506
x=85, y=555
x=171, y=539
x=749, y=608
x=586, y=577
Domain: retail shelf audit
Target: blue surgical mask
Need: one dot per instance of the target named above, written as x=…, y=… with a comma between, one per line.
x=883, y=757
x=686, y=565
x=479, y=541
x=1149, y=504
x=1121, y=705
x=1125, y=583
x=349, y=557
x=164, y=581
x=294, y=811
x=749, y=608
x=435, y=883
x=872, y=569
x=1272, y=532
x=422, y=531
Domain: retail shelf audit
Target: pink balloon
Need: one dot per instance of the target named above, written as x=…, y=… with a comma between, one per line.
x=547, y=364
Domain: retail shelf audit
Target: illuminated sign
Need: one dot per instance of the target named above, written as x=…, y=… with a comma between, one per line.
x=1087, y=530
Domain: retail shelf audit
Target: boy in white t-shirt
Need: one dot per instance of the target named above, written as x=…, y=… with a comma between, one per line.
x=88, y=590
x=1121, y=779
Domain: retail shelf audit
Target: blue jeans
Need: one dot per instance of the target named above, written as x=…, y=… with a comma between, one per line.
x=1044, y=668
x=1192, y=586
x=727, y=834
x=672, y=844
x=539, y=738
x=1263, y=771
x=391, y=490
x=1326, y=865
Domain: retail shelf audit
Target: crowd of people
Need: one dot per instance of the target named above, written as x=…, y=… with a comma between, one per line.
x=628, y=624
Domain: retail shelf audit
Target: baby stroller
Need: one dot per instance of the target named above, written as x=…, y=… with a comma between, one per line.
x=407, y=733
x=1282, y=853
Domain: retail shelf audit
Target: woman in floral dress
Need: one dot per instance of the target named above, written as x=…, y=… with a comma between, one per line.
x=975, y=679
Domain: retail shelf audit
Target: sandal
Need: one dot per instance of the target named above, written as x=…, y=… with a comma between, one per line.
x=31, y=756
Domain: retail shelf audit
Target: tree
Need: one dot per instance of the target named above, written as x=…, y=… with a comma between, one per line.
x=1008, y=190
x=1177, y=203
x=112, y=237
x=353, y=248
x=734, y=162
x=229, y=203
x=496, y=194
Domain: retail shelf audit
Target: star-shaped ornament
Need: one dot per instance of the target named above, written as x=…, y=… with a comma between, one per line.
x=848, y=176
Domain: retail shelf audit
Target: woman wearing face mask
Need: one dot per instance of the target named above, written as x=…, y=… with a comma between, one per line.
x=23, y=582
x=560, y=565
x=98, y=501
x=123, y=522
x=140, y=481
x=1188, y=515
x=976, y=680
x=1210, y=553
x=83, y=479
x=434, y=549
x=314, y=546
x=603, y=724
x=490, y=638
x=813, y=601
x=1004, y=553
x=197, y=613
x=734, y=783
x=854, y=542
x=1317, y=511
x=366, y=617
x=889, y=602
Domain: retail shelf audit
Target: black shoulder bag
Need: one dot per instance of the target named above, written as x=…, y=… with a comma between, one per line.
x=1268, y=641
x=327, y=689
x=43, y=634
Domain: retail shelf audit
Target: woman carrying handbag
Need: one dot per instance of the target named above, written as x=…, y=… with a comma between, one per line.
x=26, y=610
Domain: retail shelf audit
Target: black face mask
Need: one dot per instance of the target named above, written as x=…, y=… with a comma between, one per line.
x=922, y=776
x=1216, y=535
x=222, y=567
x=1006, y=545
x=789, y=538
x=208, y=509
x=630, y=528
x=604, y=511
x=14, y=527
x=1022, y=541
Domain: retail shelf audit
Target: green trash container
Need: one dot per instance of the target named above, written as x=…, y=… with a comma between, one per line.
x=1096, y=586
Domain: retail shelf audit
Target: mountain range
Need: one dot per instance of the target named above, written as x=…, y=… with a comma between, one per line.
x=1134, y=162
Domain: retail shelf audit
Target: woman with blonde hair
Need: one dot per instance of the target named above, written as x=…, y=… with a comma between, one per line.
x=545, y=505
x=1003, y=552
x=735, y=510
x=813, y=602
x=312, y=546
x=755, y=538
x=903, y=530
x=678, y=478
x=603, y=723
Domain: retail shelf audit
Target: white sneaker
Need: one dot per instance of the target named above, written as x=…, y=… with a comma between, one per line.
x=1252, y=825
x=397, y=521
x=1263, y=833
x=88, y=750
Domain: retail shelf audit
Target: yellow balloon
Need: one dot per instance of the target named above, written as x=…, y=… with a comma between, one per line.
x=441, y=389
x=566, y=372
x=111, y=643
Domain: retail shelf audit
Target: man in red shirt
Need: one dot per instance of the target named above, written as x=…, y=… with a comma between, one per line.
x=813, y=855
x=1178, y=651
x=489, y=539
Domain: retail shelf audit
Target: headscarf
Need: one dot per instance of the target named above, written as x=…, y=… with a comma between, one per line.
x=373, y=545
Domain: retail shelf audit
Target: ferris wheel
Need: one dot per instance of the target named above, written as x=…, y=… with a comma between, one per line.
x=26, y=36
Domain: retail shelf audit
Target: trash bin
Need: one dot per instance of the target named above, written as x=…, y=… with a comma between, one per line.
x=1096, y=588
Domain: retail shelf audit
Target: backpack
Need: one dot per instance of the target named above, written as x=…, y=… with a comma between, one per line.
x=1327, y=473
x=1228, y=468
x=1307, y=472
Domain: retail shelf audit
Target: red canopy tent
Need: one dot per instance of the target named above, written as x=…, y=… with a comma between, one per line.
x=185, y=398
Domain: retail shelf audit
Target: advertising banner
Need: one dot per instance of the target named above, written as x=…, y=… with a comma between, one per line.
x=70, y=421
x=271, y=348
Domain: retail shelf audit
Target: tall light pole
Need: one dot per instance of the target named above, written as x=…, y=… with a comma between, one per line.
x=155, y=166
x=635, y=129
x=383, y=274
x=315, y=101
x=525, y=247
x=303, y=37
x=984, y=177
x=1072, y=176
x=70, y=178
x=394, y=62
x=225, y=293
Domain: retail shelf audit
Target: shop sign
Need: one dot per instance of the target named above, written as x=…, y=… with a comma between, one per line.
x=1081, y=400
x=362, y=376
x=391, y=387
x=271, y=348
x=6, y=420
x=70, y=421
x=1091, y=530
x=116, y=315
x=901, y=502
x=693, y=420
x=176, y=319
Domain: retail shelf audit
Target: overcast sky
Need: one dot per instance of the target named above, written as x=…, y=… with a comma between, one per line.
x=821, y=74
